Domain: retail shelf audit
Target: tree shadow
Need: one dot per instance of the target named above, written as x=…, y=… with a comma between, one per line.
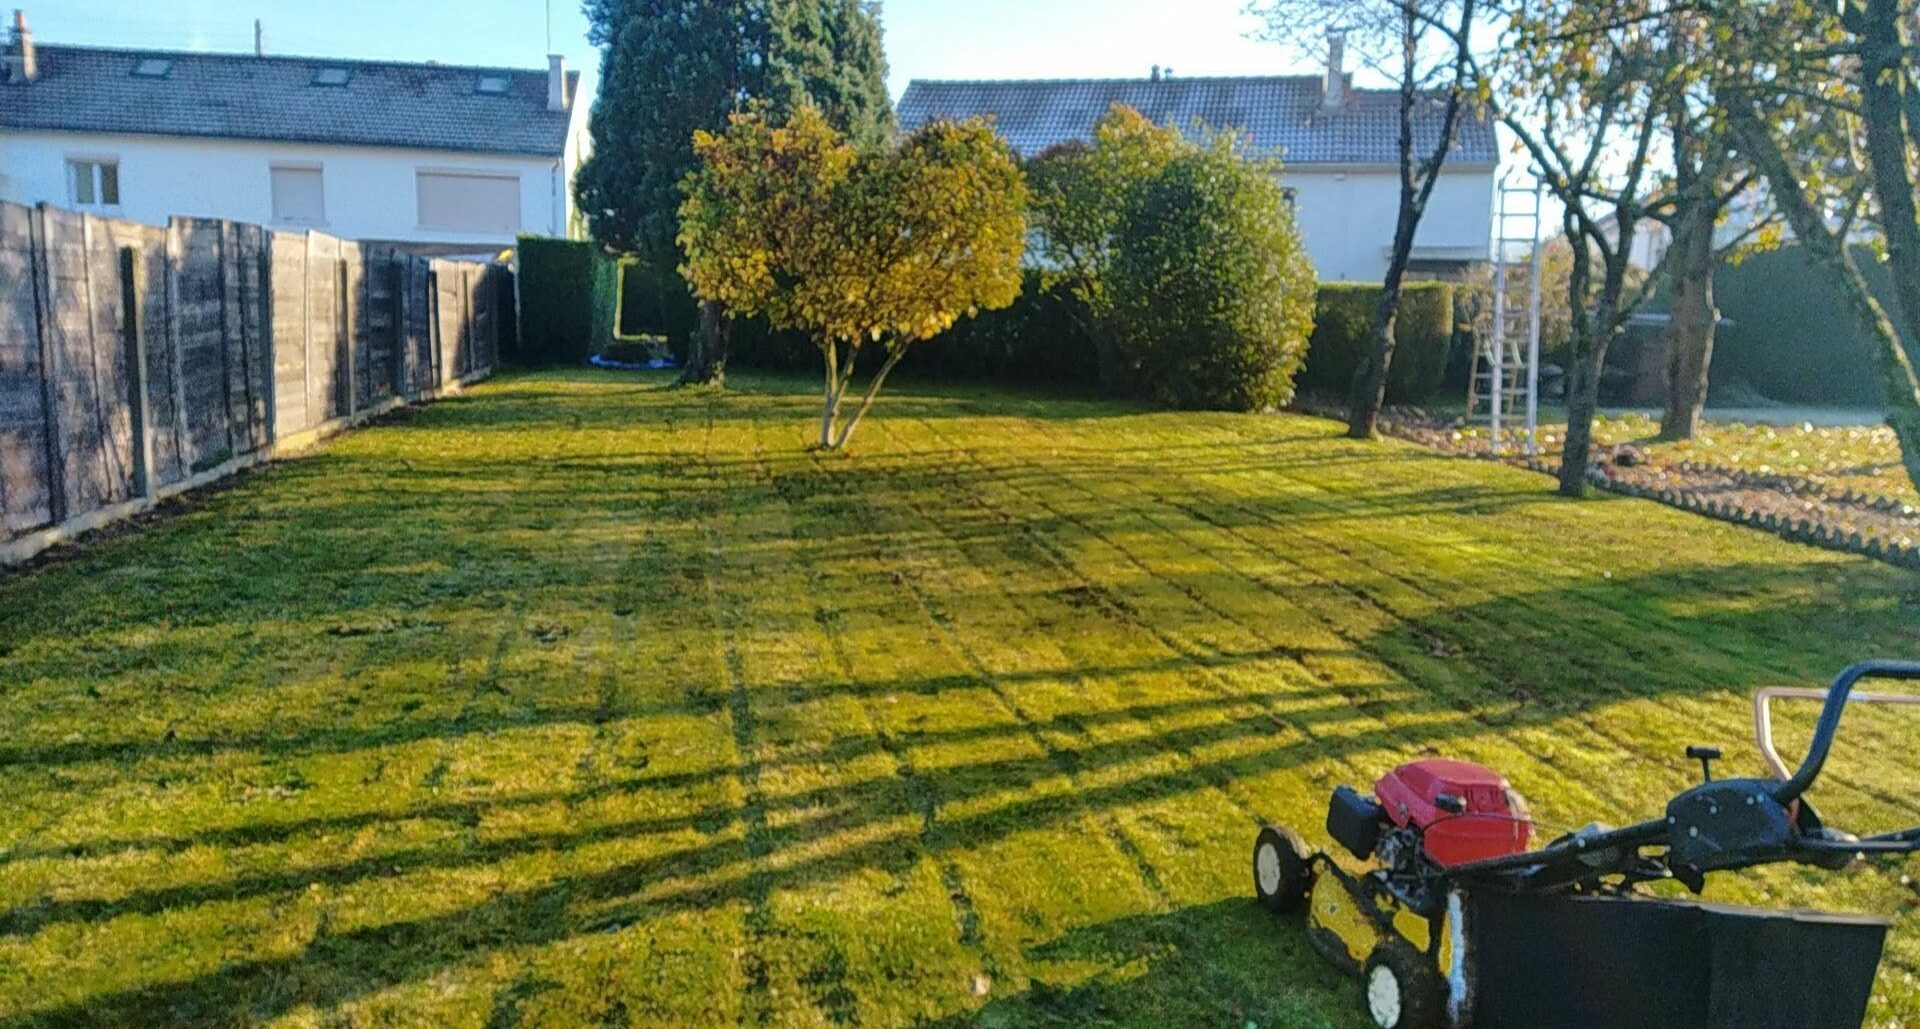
x=1227, y=963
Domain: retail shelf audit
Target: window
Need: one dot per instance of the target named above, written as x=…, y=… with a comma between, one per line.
x=466, y=201
x=152, y=67
x=94, y=182
x=492, y=85
x=297, y=194
x=332, y=75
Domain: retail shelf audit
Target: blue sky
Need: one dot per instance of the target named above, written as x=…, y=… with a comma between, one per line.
x=925, y=38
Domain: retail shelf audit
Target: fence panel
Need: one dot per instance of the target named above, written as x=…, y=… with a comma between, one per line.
x=89, y=372
x=202, y=354
x=379, y=322
x=248, y=359
x=26, y=492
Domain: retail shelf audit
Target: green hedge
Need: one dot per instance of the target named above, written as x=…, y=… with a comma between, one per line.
x=556, y=300
x=1038, y=339
x=1789, y=336
x=1343, y=323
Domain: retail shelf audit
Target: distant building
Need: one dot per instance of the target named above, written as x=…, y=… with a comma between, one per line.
x=444, y=159
x=1338, y=144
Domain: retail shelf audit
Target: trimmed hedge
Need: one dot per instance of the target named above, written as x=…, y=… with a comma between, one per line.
x=1789, y=336
x=1042, y=339
x=1039, y=339
x=556, y=300
x=1342, y=330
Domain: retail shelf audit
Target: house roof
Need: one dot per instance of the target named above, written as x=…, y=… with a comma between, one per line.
x=241, y=96
x=1280, y=114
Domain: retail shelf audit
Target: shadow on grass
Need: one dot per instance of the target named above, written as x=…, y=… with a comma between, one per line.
x=1229, y=963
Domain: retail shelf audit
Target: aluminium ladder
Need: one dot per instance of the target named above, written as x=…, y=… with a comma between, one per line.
x=1504, y=390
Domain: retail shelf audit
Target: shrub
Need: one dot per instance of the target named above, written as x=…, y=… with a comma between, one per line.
x=1080, y=193
x=1211, y=288
x=1343, y=330
x=556, y=300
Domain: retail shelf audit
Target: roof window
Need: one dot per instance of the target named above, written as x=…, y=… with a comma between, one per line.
x=152, y=67
x=331, y=75
x=492, y=85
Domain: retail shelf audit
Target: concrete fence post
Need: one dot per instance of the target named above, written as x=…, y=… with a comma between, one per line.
x=182, y=429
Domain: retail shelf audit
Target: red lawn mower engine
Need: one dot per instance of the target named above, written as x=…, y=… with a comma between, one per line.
x=1434, y=811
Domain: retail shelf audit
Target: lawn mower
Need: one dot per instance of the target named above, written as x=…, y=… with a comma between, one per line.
x=1458, y=923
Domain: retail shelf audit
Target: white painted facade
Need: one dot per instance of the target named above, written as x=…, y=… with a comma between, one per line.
x=370, y=193
x=1347, y=217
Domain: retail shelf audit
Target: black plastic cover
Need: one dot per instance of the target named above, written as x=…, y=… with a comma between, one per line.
x=1727, y=824
x=1355, y=821
x=1636, y=963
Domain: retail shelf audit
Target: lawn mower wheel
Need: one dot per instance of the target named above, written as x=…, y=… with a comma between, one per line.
x=1283, y=869
x=1404, y=990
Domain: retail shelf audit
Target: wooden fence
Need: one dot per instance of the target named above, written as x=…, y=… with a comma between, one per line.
x=138, y=361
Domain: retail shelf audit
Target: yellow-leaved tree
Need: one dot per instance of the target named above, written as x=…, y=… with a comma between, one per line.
x=890, y=246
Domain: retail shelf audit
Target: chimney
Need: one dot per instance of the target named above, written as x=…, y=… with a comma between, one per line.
x=1335, y=90
x=556, y=82
x=259, y=39
x=23, y=64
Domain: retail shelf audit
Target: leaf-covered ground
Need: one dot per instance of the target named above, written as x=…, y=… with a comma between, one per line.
x=1861, y=459
x=583, y=700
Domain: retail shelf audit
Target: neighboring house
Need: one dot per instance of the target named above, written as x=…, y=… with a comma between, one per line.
x=1338, y=145
x=443, y=159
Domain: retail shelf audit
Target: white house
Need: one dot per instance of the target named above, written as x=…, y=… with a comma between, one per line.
x=1338, y=145
x=440, y=158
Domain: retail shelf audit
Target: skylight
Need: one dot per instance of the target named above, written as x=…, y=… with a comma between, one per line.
x=494, y=85
x=330, y=76
x=153, y=67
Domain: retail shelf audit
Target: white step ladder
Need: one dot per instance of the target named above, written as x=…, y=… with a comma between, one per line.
x=1504, y=390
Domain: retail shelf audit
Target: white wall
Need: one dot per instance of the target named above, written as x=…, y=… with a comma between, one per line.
x=370, y=192
x=1347, y=218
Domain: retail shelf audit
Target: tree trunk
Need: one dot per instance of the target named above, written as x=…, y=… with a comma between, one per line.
x=1885, y=82
x=1369, y=392
x=1902, y=388
x=707, y=351
x=1691, y=331
x=866, y=404
x=1583, y=399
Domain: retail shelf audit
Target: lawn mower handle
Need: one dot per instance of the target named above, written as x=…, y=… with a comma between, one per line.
x=1823, y=731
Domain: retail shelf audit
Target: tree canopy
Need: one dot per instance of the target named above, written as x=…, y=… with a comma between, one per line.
x=793, y=223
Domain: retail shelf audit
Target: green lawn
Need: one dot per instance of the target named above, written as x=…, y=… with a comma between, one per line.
x=579, y=699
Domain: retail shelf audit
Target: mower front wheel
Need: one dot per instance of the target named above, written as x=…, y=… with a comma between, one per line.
x=1404, y=989
x=1283, y=869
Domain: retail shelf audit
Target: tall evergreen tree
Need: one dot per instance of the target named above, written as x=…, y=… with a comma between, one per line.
x=668, y=68
x=828, y=53
x=671, y=67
